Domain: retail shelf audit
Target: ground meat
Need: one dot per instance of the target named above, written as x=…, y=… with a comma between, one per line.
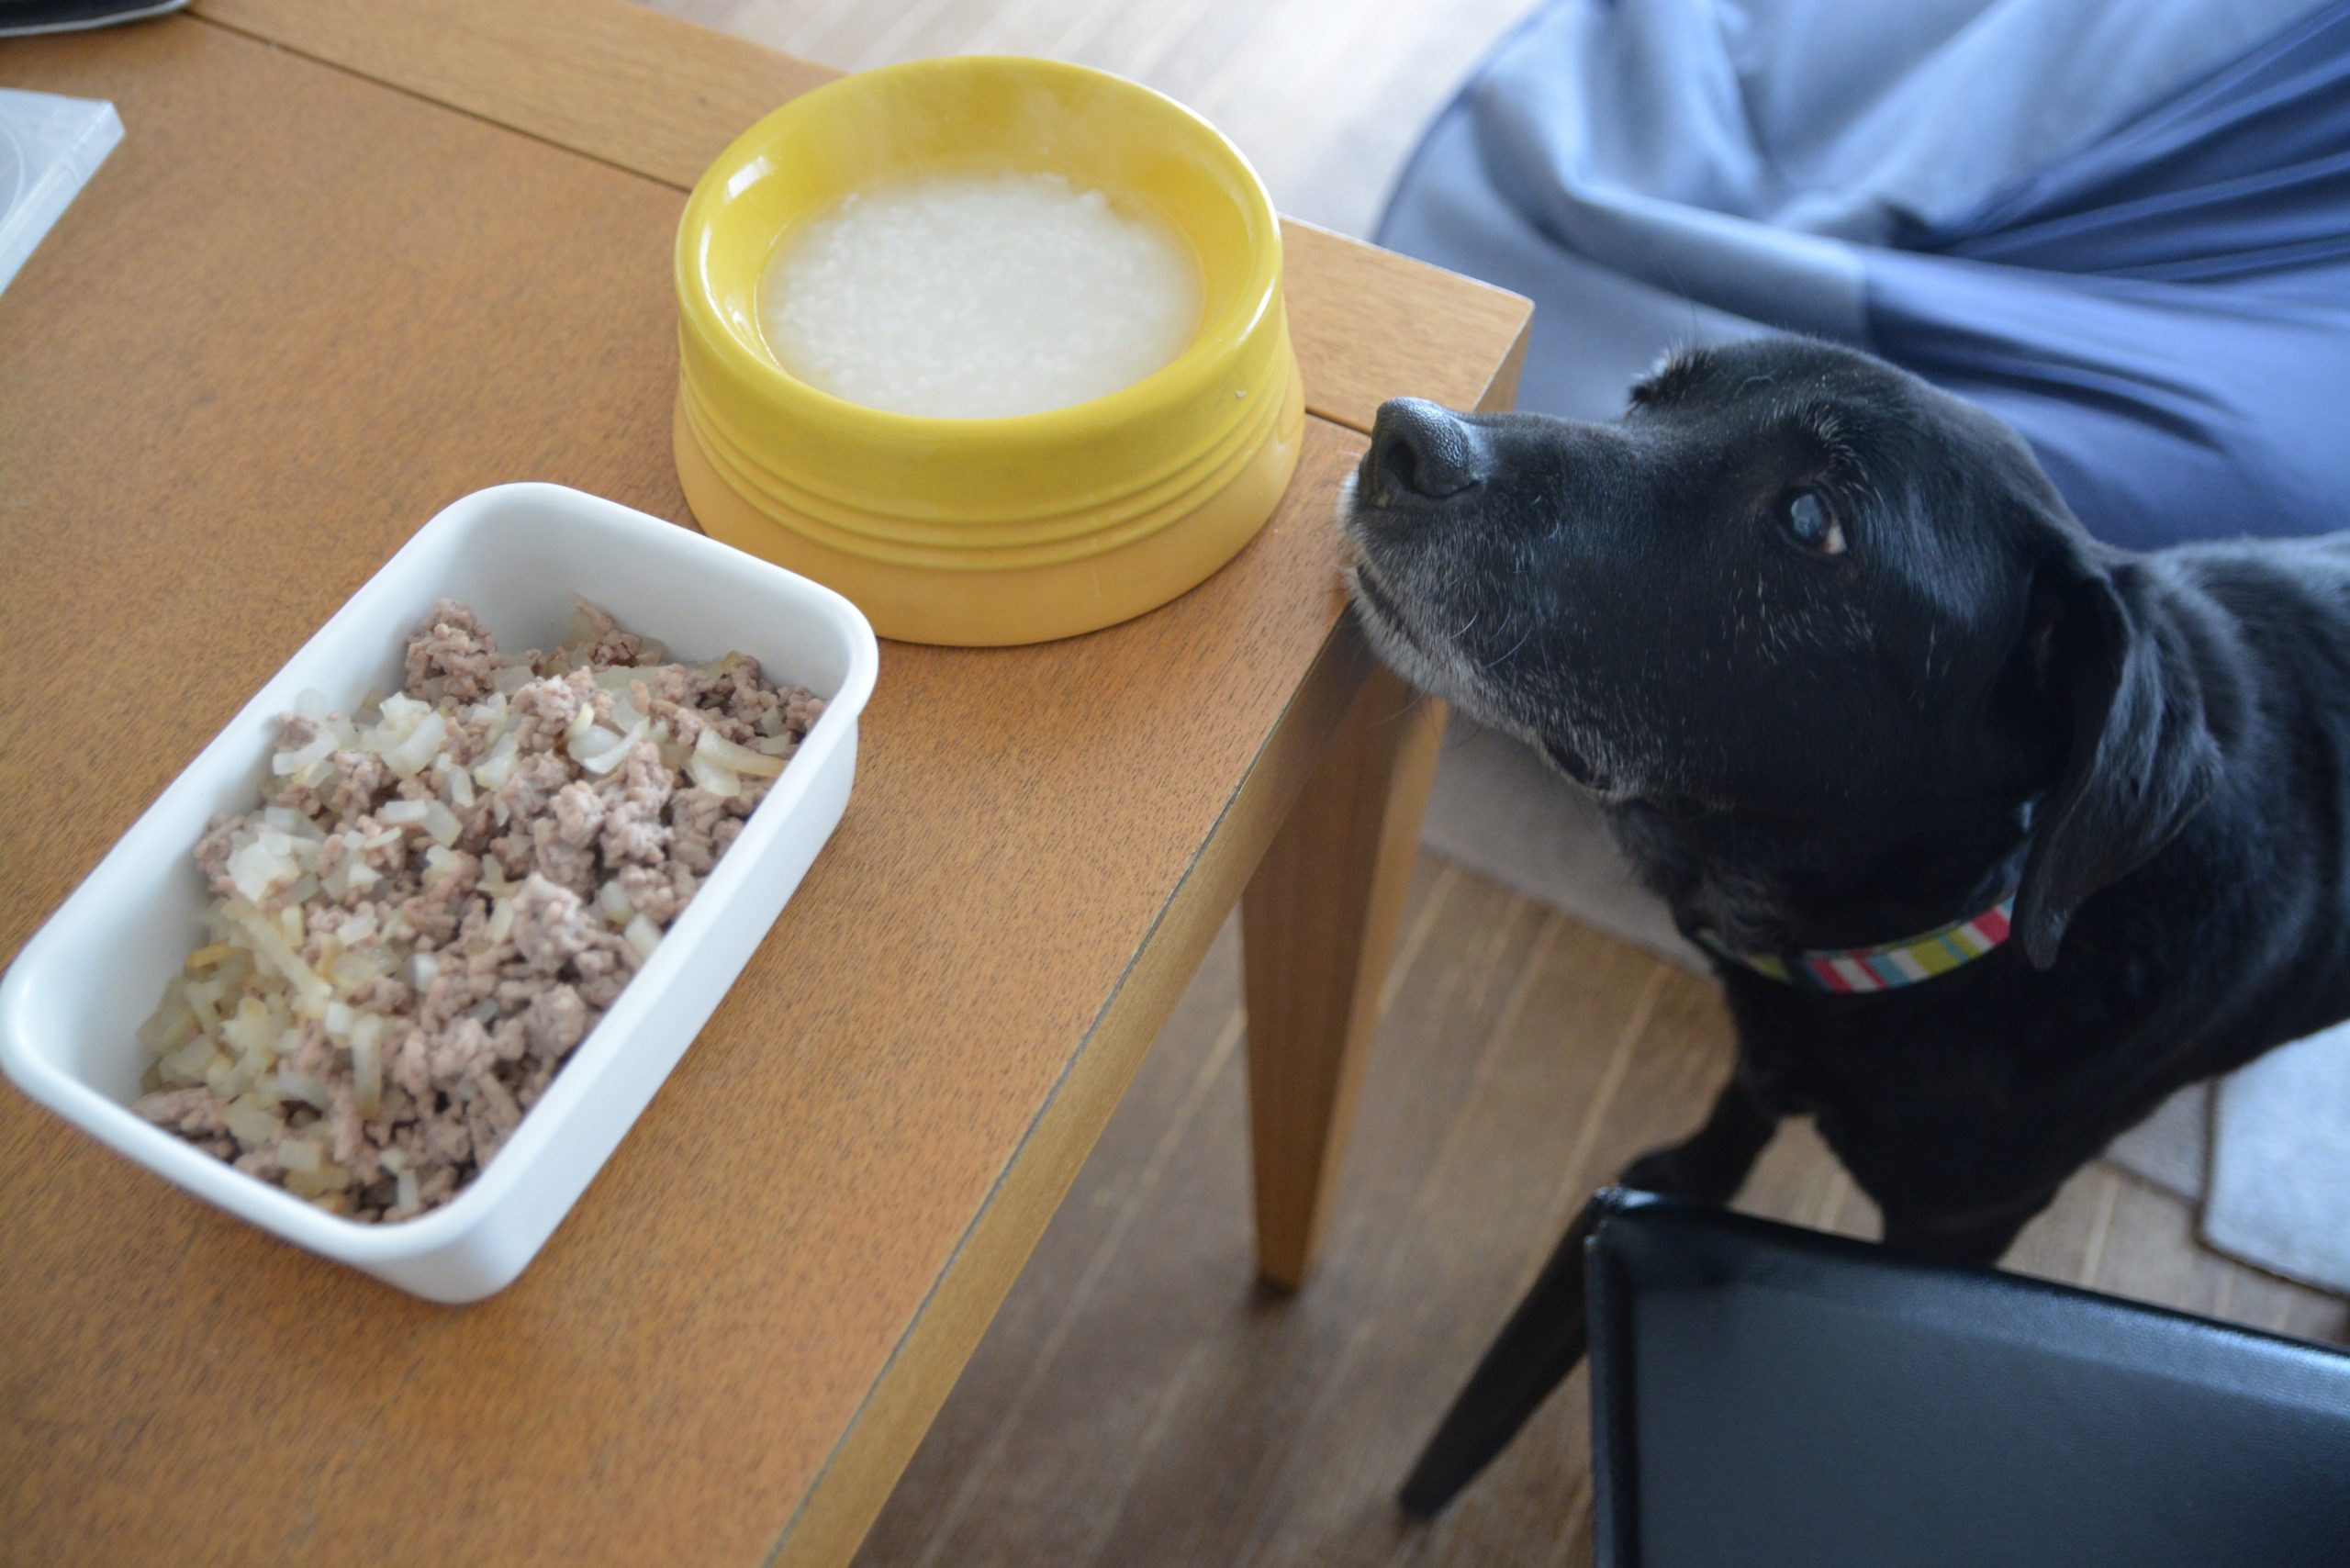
x=360, y=780
x=579, y=811
x=552, y=926
x=386, y=996
x=657, y=891
x=610, y=648
x=560, y=861
x=212, y=853
x=454, y=649
x=630, y=813
x=535, y=781
x=473, y=914
x=196, y=1112
x=545, y=709
x=555, y=1020
x=694, y=816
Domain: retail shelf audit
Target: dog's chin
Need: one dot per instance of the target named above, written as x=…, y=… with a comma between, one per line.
x=1578, y=768
x=1604, y=785
x=1411, y=653
x=1400, y=650
x=1442, y=672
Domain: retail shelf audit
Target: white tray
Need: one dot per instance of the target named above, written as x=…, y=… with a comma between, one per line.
x=72, y=1002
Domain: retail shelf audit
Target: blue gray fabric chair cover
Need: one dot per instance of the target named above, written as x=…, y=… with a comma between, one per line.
x=2123, y=225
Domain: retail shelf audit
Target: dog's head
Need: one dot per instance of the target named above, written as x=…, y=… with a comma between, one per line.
x=1792, y=582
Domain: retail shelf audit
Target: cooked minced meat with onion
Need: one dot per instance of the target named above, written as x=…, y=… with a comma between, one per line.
x=440, y=895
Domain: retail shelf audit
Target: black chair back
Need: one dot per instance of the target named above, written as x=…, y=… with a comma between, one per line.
x=1768, y=1396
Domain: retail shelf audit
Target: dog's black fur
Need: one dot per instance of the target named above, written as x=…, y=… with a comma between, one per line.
x=1805, y=748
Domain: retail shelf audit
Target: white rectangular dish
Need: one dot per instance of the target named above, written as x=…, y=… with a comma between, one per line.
x=72, y=1003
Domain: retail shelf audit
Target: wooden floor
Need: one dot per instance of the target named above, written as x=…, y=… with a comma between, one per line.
x=1138, y=1403
x=1326, y=96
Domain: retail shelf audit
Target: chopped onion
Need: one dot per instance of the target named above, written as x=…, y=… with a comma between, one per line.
x=252, y=1028
x=270, y=945
x=352, y=970
x=642, y=936
x=367, y=1066
x=166, y=1028
x=408, y=758
x=249, y=1123
x=495, y=769
x=256, y=870
x=723, y=782
x=292, y=823
x=614, y=903
x=229, y=1078
x=738, y=759
x=204, y=1000
x=440, y=823
x=400, y=813
x=303, y=1087
x=612, y=755
x=593, y=741
x=511, y=678
x=188, y=1062
x=319, y=748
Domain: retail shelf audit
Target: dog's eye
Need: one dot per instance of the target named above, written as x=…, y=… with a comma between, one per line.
x=1811, y=523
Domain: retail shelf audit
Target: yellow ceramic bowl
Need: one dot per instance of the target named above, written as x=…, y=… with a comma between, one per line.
x=981, y=531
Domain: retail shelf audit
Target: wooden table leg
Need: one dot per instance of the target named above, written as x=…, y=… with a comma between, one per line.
x=1317, y=926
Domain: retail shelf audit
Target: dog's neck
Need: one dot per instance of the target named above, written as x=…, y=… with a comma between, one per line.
x=1764, y=885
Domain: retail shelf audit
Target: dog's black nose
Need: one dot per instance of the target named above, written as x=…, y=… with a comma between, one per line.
x=1420, y=449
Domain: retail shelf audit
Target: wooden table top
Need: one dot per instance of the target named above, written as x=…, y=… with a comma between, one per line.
x=351, y=261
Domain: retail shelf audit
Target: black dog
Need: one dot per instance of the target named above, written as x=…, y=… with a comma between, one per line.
x=1843, y=669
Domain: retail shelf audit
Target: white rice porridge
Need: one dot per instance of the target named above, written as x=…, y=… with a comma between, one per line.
x=977, y=297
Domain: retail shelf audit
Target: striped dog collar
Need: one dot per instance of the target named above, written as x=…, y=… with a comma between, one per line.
x=1852, y=971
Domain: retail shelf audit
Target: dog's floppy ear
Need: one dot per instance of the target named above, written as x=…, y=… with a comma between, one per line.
x=2140, y=758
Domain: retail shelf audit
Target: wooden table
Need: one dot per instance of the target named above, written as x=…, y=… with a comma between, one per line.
x=352, y=261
